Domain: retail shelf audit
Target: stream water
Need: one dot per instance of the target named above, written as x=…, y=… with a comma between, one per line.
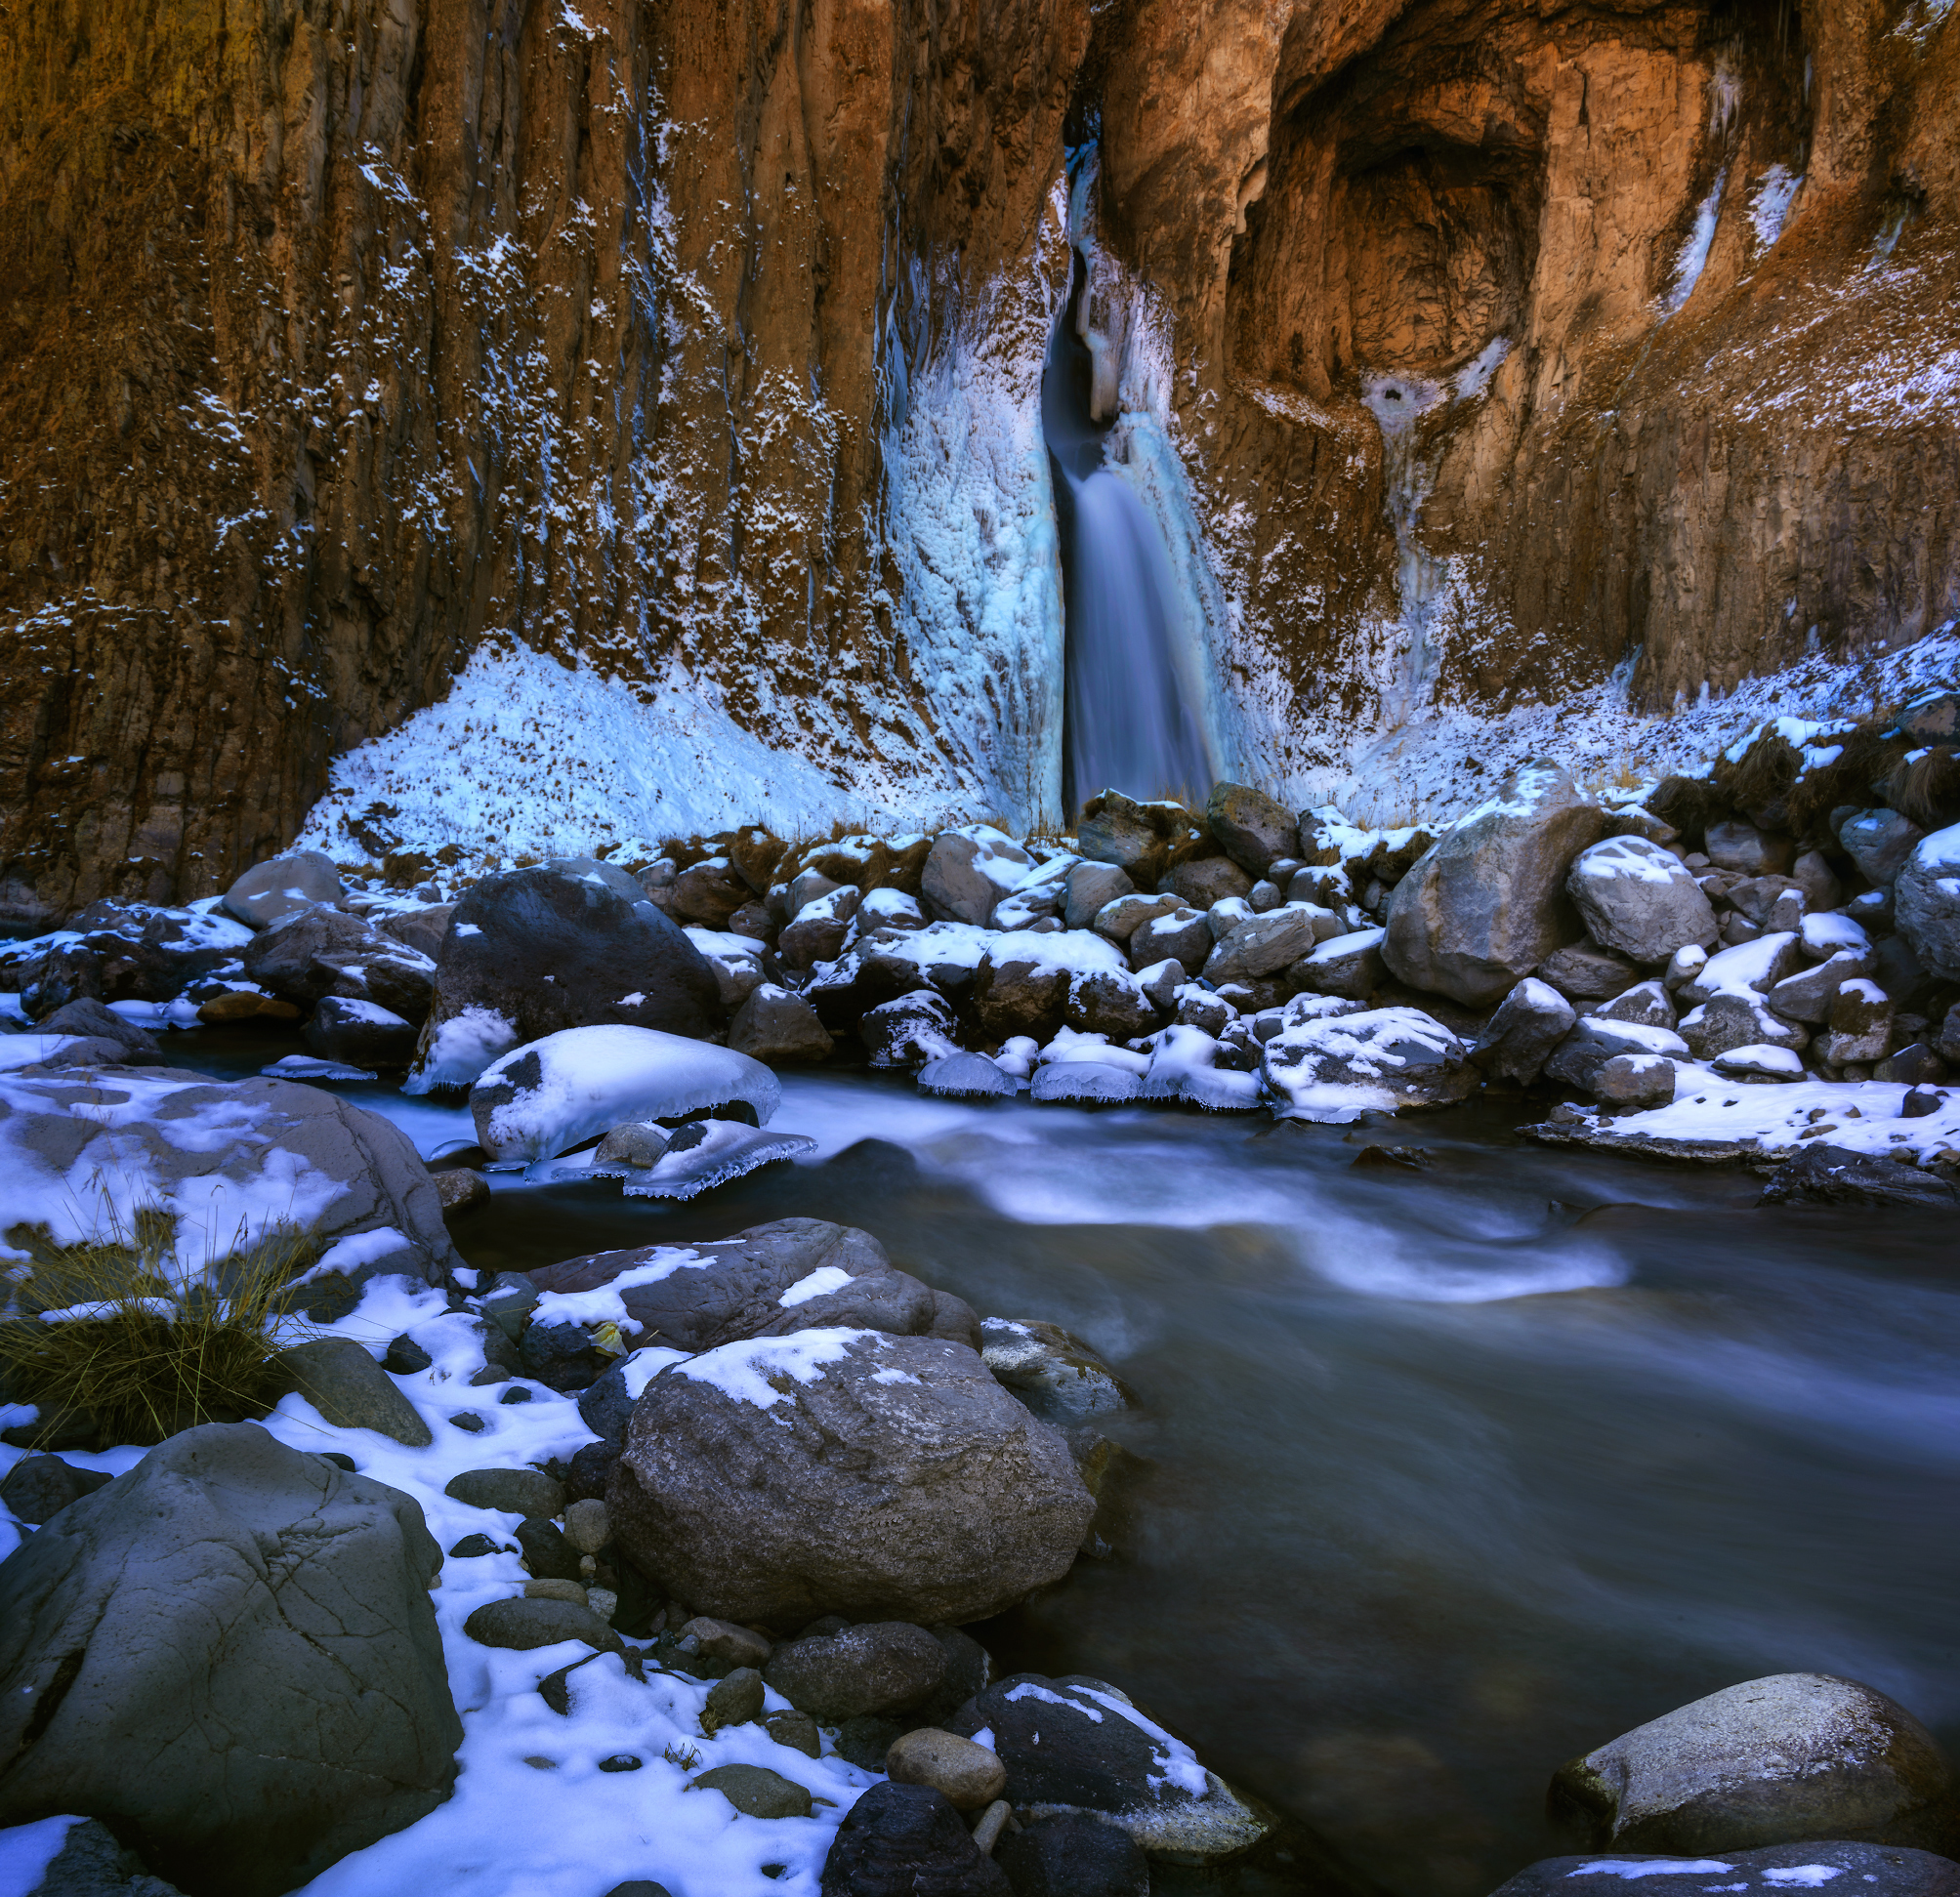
x=1444, y=1476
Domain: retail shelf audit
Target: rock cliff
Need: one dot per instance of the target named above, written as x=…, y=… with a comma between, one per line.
x=1488, y=347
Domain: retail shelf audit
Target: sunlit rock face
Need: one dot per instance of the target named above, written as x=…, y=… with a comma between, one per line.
x=1462, y=355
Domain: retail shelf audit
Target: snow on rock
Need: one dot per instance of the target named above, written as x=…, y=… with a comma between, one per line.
x=1336, y=1067
x=540, y=1099
x=1184, y=1066
x=1927, y=895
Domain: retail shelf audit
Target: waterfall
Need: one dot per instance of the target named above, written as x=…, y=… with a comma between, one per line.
x=1129, y=724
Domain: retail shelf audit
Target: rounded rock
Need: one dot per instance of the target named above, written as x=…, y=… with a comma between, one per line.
x=970, y=1775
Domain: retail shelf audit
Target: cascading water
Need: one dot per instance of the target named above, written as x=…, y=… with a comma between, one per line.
x=1129, y=724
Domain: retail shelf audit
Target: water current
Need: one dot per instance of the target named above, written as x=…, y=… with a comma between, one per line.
x=1444, y=1476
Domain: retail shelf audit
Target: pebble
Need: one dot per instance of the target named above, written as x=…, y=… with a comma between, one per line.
x=469, y=1419
x=619, y=1763
x=472, y=1545
x=586, y=1526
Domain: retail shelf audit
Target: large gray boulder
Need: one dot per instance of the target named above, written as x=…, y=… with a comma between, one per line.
x=1487, y=903
x=968, y=870
x=1335, y=1068
x=1639, y=899
x=229, y=1655
x=1253, y=829
x=1879, y=841
x=1926, y=900
x=182, y=1142
x=843, y=1472
x=536, y=951
x=1530, y=1022
x=1794, y=1755
x=882, y=1666
x=283, y=887
x=793, y=1274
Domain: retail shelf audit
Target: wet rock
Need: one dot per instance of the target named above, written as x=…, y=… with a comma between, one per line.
x=1747, y=850
x=1927, y=899
x=1252, y=828
x=970, y=1776
x=37, y=1488
x=905, y=1841
x=1073, y=1855
x=1879, y=841
x=891, y=1477
x=1487, y=904
x=1874, y=1869
x=1335, y=1068
x=532, y=953
x=1775, y=1760
x=114, y=1695
x=779, y=1029
x=268, y=891
x=966, y=1077
x=350, y=1389
x=792, y=1274
x=1091, y=889
x=360, y=1033
x=968, y=871
x=1584, y=971
x=1351, y=967
x=755, y=1790
x=882, y=1666
x=1057, y=1375
x=514, y=1491
x=460, y=1191
x=1530, y=1022
x=524, y=1625
x=905, y=1033
x=1639, y=900
x=1835, y=1175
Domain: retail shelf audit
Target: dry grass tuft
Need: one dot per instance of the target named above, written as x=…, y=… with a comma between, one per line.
x=140, y=1358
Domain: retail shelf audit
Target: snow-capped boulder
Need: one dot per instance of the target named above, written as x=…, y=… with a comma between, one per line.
x=1337, y=1067
x=1592, y=1042
x=1137, y=838
x=1084, y=1082
x=1860, y=1025
x=1748, y=968
x=533, y=952
x=1645, y=1002
x=968, y=870
x=1092, y=888
x=1639, y=899
x=1518, y=1037
x=1634, y=1081
x=1926, y=901
x=1349, y=966
x=1487, y=903
x=792, y=1274
x=1871, y=1870
x=1793, y=1757
x=1179, y=934
x=910, y=1030
x=821, y=926
x=230, y=1652
x=283, y=886
x=221, y=1158
x=1253, y=829
x=1880, y=842
x=360, y=1034
x=777, y=1027
x=1184, y=1066
x=1022, y=984
x=1738, y=1019
x=288, y=956
x=1759, y=1065
x=844, y=1470
x=1110, y=1003
x=544, y=1098
x=1121, y=918
x=1808, y=995
x=707, y=1153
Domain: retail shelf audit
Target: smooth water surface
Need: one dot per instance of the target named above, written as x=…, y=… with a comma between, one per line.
x=1449, y=1475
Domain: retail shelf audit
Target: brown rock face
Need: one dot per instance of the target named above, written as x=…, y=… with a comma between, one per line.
x=340, y=339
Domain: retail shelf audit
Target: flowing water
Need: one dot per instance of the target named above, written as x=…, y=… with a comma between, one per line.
x=1444, y=1476
x=1129, y=724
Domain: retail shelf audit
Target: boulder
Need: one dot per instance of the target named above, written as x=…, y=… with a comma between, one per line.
x=37, y=1488
x=1074, y=1855
x=1808, y=995
x=1337, y=1067
x=274, y=1151
x=966, y=1077
x=1251, y=828
x=1872, y=1869
x=288, y=957
x=1120, y=919
x=1927, y=902
x=1879, y=841
x=547, y=1096
x=421, y=930
x=1585, y=971
x=881, y=1667
x=1487, y=903
x=1771, y=902
x=285, y=885
x=734, y=1700
x=1759, y=1065
x=820, y=929
x=1204, y=880
x=350, y=1389
x=1079, y=1744
x=779, y=1029
x=1089, y=889
x=906, y=1032
x=1137, y=838
x=94, y=1020
x=1179, y=934
x=1592, y=1042
x=1518, y=1037
x=513, y=1491
x=229, y=1654
x=1638, y=899
x=843, y=1472
x=1018, y=990
x=1737, y=1020
x=533, y=952
x=706, y=894
x=1634, y=1081
x=1819, y=1174
x=1351, y=965
x=1747, y=850
x=1776, y=1760
x=1109, y=1004
x=970, y=1775
x=1261, y=945
x=756, y=1791
x=793, y=1274
x=525, y=1623
x=360, y=1033
x=907, y=1840
x=968, y=871
x=1057, y=1375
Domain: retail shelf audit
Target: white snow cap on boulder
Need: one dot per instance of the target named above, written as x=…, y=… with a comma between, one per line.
x=541, y=1100
x=1639, y=899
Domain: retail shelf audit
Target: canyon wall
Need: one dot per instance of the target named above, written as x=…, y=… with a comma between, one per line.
x=1490, y=347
